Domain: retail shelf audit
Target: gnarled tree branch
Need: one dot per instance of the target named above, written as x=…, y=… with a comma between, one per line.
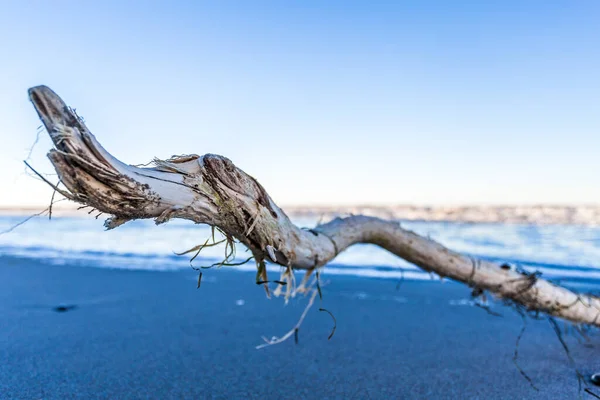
x=210, y=189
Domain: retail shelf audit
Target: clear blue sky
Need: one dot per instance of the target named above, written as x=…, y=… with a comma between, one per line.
x=437, y=102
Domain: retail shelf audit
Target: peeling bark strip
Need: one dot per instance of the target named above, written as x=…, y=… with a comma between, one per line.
x=210, y=189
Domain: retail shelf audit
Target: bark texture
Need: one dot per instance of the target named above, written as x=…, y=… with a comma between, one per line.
x=210, y=189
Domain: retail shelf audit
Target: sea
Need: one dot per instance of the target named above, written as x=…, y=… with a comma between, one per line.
x=567, y=254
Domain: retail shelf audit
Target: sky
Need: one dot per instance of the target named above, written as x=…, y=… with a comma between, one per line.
x=324, y=102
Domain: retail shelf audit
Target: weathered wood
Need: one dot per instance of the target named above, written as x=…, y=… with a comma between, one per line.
x=210, y=189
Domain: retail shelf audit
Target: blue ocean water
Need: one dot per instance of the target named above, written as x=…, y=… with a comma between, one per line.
x=565, y=253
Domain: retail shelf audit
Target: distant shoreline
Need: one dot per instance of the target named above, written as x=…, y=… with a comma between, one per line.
x=587, y=215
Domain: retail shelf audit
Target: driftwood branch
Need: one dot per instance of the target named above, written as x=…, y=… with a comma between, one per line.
x=210, y=189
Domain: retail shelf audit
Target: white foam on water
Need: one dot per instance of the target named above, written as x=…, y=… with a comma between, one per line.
x=562, y=252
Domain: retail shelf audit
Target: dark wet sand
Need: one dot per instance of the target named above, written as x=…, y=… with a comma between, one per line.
x=136, y=334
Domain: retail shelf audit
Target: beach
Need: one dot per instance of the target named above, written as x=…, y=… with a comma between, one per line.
x=386, y=147
x=75, y=331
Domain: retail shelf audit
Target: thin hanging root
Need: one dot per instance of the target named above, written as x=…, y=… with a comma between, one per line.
x=261, y=276
x=52, y=200
x=39, y=130
x=228, y=264
x=315, y=288
x=334, y=322
x=202, y=247
x=278, y=282
x=230, y=244
x=293, y=331
x=319, y=286
x=480, y=300
x=287, y=280
x=589, y=391
x=199, y=247
x=291, y=286
x=580, y=378
x=230, y=253
x=225, y=261
x=516, y=354
x=283, y=278
x=55, y=187
x=15, y=226
x=302, y=288
x=261, y=272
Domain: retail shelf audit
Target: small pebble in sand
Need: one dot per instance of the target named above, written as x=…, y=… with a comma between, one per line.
x=65, y=308
x=596, y=379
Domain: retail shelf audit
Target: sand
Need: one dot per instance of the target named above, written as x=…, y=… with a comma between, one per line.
x=135, y=334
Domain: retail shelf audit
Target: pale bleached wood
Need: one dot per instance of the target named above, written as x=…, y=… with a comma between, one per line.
x=210, y=189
